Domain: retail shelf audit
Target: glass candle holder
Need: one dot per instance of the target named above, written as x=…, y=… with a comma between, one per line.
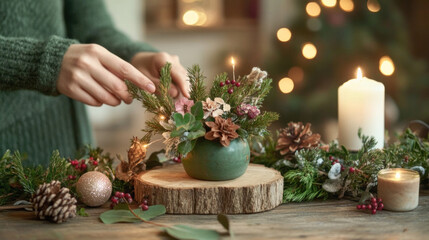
x=398, y=188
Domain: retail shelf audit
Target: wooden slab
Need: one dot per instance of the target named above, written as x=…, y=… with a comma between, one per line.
x=259, y=189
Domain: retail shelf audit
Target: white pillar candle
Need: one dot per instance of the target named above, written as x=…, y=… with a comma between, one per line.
x=398, y=188
x=360, y=105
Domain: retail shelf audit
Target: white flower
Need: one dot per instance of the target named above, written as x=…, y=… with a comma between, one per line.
x=257, y=76
x=215, y=108
x=335, y=171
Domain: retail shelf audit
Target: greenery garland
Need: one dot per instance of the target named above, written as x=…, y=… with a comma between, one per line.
x=336, y=172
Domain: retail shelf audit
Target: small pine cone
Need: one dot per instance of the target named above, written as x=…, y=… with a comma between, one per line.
x=296, y=137
x=53, y=203
x=136, y=153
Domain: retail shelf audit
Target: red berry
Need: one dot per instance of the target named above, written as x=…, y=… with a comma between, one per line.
x=331, y=158
x=119, y=194
x=95, y=163
x=406, y=158
x=91, y=158
x=373, y=200
x=233, y=82
x=369, y=206
x=227, y=82
x=374, y=211
x=237, y=84
x=363, y=206
x=352, y=170
x=380, y=206
x=114, y=200
x=74, y=162
x=83, y=166
x=230, y=91
x=71, y=177
x=342, y=168
x=374, y=205
x=145, y=202
x=127, y=195
x=145, y=207
x=221, y=84
x=379, y=200
x=359, y=206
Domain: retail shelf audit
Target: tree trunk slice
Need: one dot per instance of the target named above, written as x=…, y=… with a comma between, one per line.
x=259, y=189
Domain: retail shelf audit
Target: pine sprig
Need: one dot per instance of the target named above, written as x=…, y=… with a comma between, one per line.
x=57, y=169
x=165, y=82
x=153, y=127
x=259, y=124
x=27, y=179
x=216, y=90
x=196, y=80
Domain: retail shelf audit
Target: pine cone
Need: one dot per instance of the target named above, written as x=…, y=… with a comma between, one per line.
x=296, y=137
x=53, y=203
x=136, y=153
x=223, y=129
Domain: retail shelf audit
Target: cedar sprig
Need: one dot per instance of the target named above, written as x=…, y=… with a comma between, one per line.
x=196, y=80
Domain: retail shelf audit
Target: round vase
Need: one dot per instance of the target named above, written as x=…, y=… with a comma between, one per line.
x=209, y=160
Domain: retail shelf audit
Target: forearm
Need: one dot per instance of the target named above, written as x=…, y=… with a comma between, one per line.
x=27, y=63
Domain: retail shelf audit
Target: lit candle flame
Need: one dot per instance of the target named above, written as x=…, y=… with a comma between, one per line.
x=359, y=73
x=398, y=175
x=232, y=61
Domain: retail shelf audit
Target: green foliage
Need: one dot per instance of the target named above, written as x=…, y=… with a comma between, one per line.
x=217, y=90
x=117, y=216
x=259, y=125
x=190, y=233
x=82, y=212
x=196, y=79
x=307, y=173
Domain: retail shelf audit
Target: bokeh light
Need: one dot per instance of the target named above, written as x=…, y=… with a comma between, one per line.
x=329, y=3
x=313, y=9
x=309, y=51
x=286, y=85
x=373, y=5
x=194, y=17
x=284, y=34
x=347, y=5
x=297, y=74
x=386, y=66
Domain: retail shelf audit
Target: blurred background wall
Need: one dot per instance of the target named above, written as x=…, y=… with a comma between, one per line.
x=308, y=47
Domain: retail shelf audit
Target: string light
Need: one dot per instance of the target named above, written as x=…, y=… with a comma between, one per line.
x=313, y=9
x=296, y=73
x=309, y=51
x=347, y=5
x=286, y=85
x=284, y=34
x=194, y=17
x=329, y=3
x=373, y=5
x=161, y=117
x=386, y=66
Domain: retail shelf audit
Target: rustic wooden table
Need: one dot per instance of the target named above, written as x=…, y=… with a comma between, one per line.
x=332, y=219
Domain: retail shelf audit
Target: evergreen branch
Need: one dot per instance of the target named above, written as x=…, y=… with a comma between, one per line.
x=17, y=169
x=153, y=127
x=260, y=123
x=57, y=169
x=217, y=90
x=164, y=97
x=149, y=101
x=196, y=80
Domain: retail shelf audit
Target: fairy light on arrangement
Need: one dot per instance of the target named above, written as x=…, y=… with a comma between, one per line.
x=309, y=51
x=284, y=34
x=286, y=85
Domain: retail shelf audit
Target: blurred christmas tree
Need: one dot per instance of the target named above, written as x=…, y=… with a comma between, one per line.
x=323, y=48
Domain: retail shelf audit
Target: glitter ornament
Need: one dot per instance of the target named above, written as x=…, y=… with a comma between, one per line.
x=94, y=188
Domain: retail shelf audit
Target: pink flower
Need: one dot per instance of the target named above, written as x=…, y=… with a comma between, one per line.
x=183, y=105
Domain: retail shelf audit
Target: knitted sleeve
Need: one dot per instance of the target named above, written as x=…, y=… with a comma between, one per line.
x=27, y=63
x=89, y=22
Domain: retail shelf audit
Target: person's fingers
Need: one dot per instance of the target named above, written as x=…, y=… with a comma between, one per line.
x=112, y=83
x=124, y=70
x=173, y=92
x=83, y=96
x=98, y=92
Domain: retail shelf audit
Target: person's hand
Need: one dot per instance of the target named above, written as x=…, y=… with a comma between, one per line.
x=149, y=63
x=91, y=74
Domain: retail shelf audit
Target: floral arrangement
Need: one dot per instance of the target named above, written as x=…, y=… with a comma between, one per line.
x=313, y=170
x=230, y=109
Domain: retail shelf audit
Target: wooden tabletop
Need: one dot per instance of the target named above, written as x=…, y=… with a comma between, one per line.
x=331, y=219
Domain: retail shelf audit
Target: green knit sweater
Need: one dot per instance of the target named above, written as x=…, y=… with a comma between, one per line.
x=34, y=36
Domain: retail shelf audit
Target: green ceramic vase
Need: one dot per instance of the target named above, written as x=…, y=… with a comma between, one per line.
x=209, y=160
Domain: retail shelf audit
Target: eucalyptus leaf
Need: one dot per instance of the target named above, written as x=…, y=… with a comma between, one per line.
x=115, y=216
x=190, y=233
x=186, y=146
x=178, y=119
x=196, y=134
x=224, y=221
x=197, y=111
x=177, y=133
